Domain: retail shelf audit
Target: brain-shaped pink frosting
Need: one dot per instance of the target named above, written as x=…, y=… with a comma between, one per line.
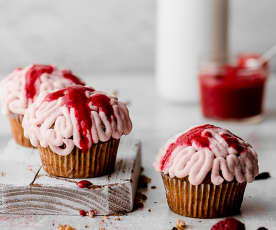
x=208, y=149
x=22, y=86
x=75, y=116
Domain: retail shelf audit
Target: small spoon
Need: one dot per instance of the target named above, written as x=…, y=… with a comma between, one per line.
x=265, y=57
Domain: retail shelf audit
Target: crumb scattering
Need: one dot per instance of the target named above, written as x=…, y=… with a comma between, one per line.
x=117, y=218
x=180, y=224
x=65, y=227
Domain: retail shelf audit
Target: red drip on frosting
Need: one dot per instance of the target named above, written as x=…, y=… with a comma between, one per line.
x=103, y=103
x=233, y=142
x=75, y=97
x=68, y=75
x=201, y=139
x=31, y=77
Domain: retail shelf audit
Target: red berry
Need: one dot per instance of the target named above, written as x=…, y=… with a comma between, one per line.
x=84, y=183
x=229, y=224
x=82, y=213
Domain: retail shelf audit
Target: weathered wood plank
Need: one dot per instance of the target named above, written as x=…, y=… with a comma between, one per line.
x=30, y=190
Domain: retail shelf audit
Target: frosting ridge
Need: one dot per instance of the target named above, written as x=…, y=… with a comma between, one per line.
x=208, y=149
x=75, y=116
x=22, y=86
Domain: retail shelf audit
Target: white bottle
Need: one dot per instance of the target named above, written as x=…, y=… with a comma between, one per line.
x=188, y=30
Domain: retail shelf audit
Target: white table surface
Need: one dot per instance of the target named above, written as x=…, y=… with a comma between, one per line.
x=154, y=121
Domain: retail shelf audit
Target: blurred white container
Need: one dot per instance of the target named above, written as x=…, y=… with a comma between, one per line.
x=188, y=31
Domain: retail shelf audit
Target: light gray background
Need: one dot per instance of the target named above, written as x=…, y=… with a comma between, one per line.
x=109, y=36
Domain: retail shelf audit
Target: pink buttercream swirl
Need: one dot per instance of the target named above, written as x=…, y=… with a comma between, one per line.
x=208, y=149
x=22, y=86
x=75, y=116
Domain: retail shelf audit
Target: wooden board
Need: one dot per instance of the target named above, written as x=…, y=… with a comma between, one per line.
x=25, y=188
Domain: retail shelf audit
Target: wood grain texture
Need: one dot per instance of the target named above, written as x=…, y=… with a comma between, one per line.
x=27, y=189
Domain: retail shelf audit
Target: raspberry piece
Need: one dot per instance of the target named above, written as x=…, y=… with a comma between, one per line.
x=229, y=224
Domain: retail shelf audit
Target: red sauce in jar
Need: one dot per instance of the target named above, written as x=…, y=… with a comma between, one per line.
x=234, y=92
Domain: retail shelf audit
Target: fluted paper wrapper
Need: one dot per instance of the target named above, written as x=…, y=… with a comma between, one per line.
x=18, y=131
x=99, y=160
x=205, y=200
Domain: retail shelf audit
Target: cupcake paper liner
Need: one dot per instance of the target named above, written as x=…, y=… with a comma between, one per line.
x=18, y=131
x=205, y=200
x=99, y=160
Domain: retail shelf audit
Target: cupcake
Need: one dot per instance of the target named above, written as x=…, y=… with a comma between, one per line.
x=77, y=131
x=20, y=88
x=205, y=171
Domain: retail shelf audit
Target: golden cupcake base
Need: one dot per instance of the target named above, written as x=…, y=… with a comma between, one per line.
x=99, y=160
x=205, y=200
x=18, y=131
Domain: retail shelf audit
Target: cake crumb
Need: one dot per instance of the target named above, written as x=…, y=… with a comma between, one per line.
x=91, y=213
x=143, y=181
x=153, y=187
x=117, y=218
x=2, y=174
x=86, y=226
x=65, y=227
x=102, y=228
x=174, y=228
x=180, y=224
x=115, y=92
x=149, y=210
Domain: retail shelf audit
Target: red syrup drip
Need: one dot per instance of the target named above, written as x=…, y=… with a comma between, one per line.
x=233, y=142
x=83, y=213
x=84, y=184
x=75, y=97
x=68, y=75
x=31, y=77
x=201, y=139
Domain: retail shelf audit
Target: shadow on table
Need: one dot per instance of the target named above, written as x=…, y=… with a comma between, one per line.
x=4, y=139
x=270, y=115
x=253, y=207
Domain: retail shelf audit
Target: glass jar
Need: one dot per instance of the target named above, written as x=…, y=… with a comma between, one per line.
x=233, y=91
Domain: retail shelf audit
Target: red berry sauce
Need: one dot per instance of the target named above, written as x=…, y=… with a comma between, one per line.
x=34, y=73
x=68, y=75
x=232, y=92
x=196, y=135
x=75, y=97
x=229, y=224
x=31, y=77
x=84, y=183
